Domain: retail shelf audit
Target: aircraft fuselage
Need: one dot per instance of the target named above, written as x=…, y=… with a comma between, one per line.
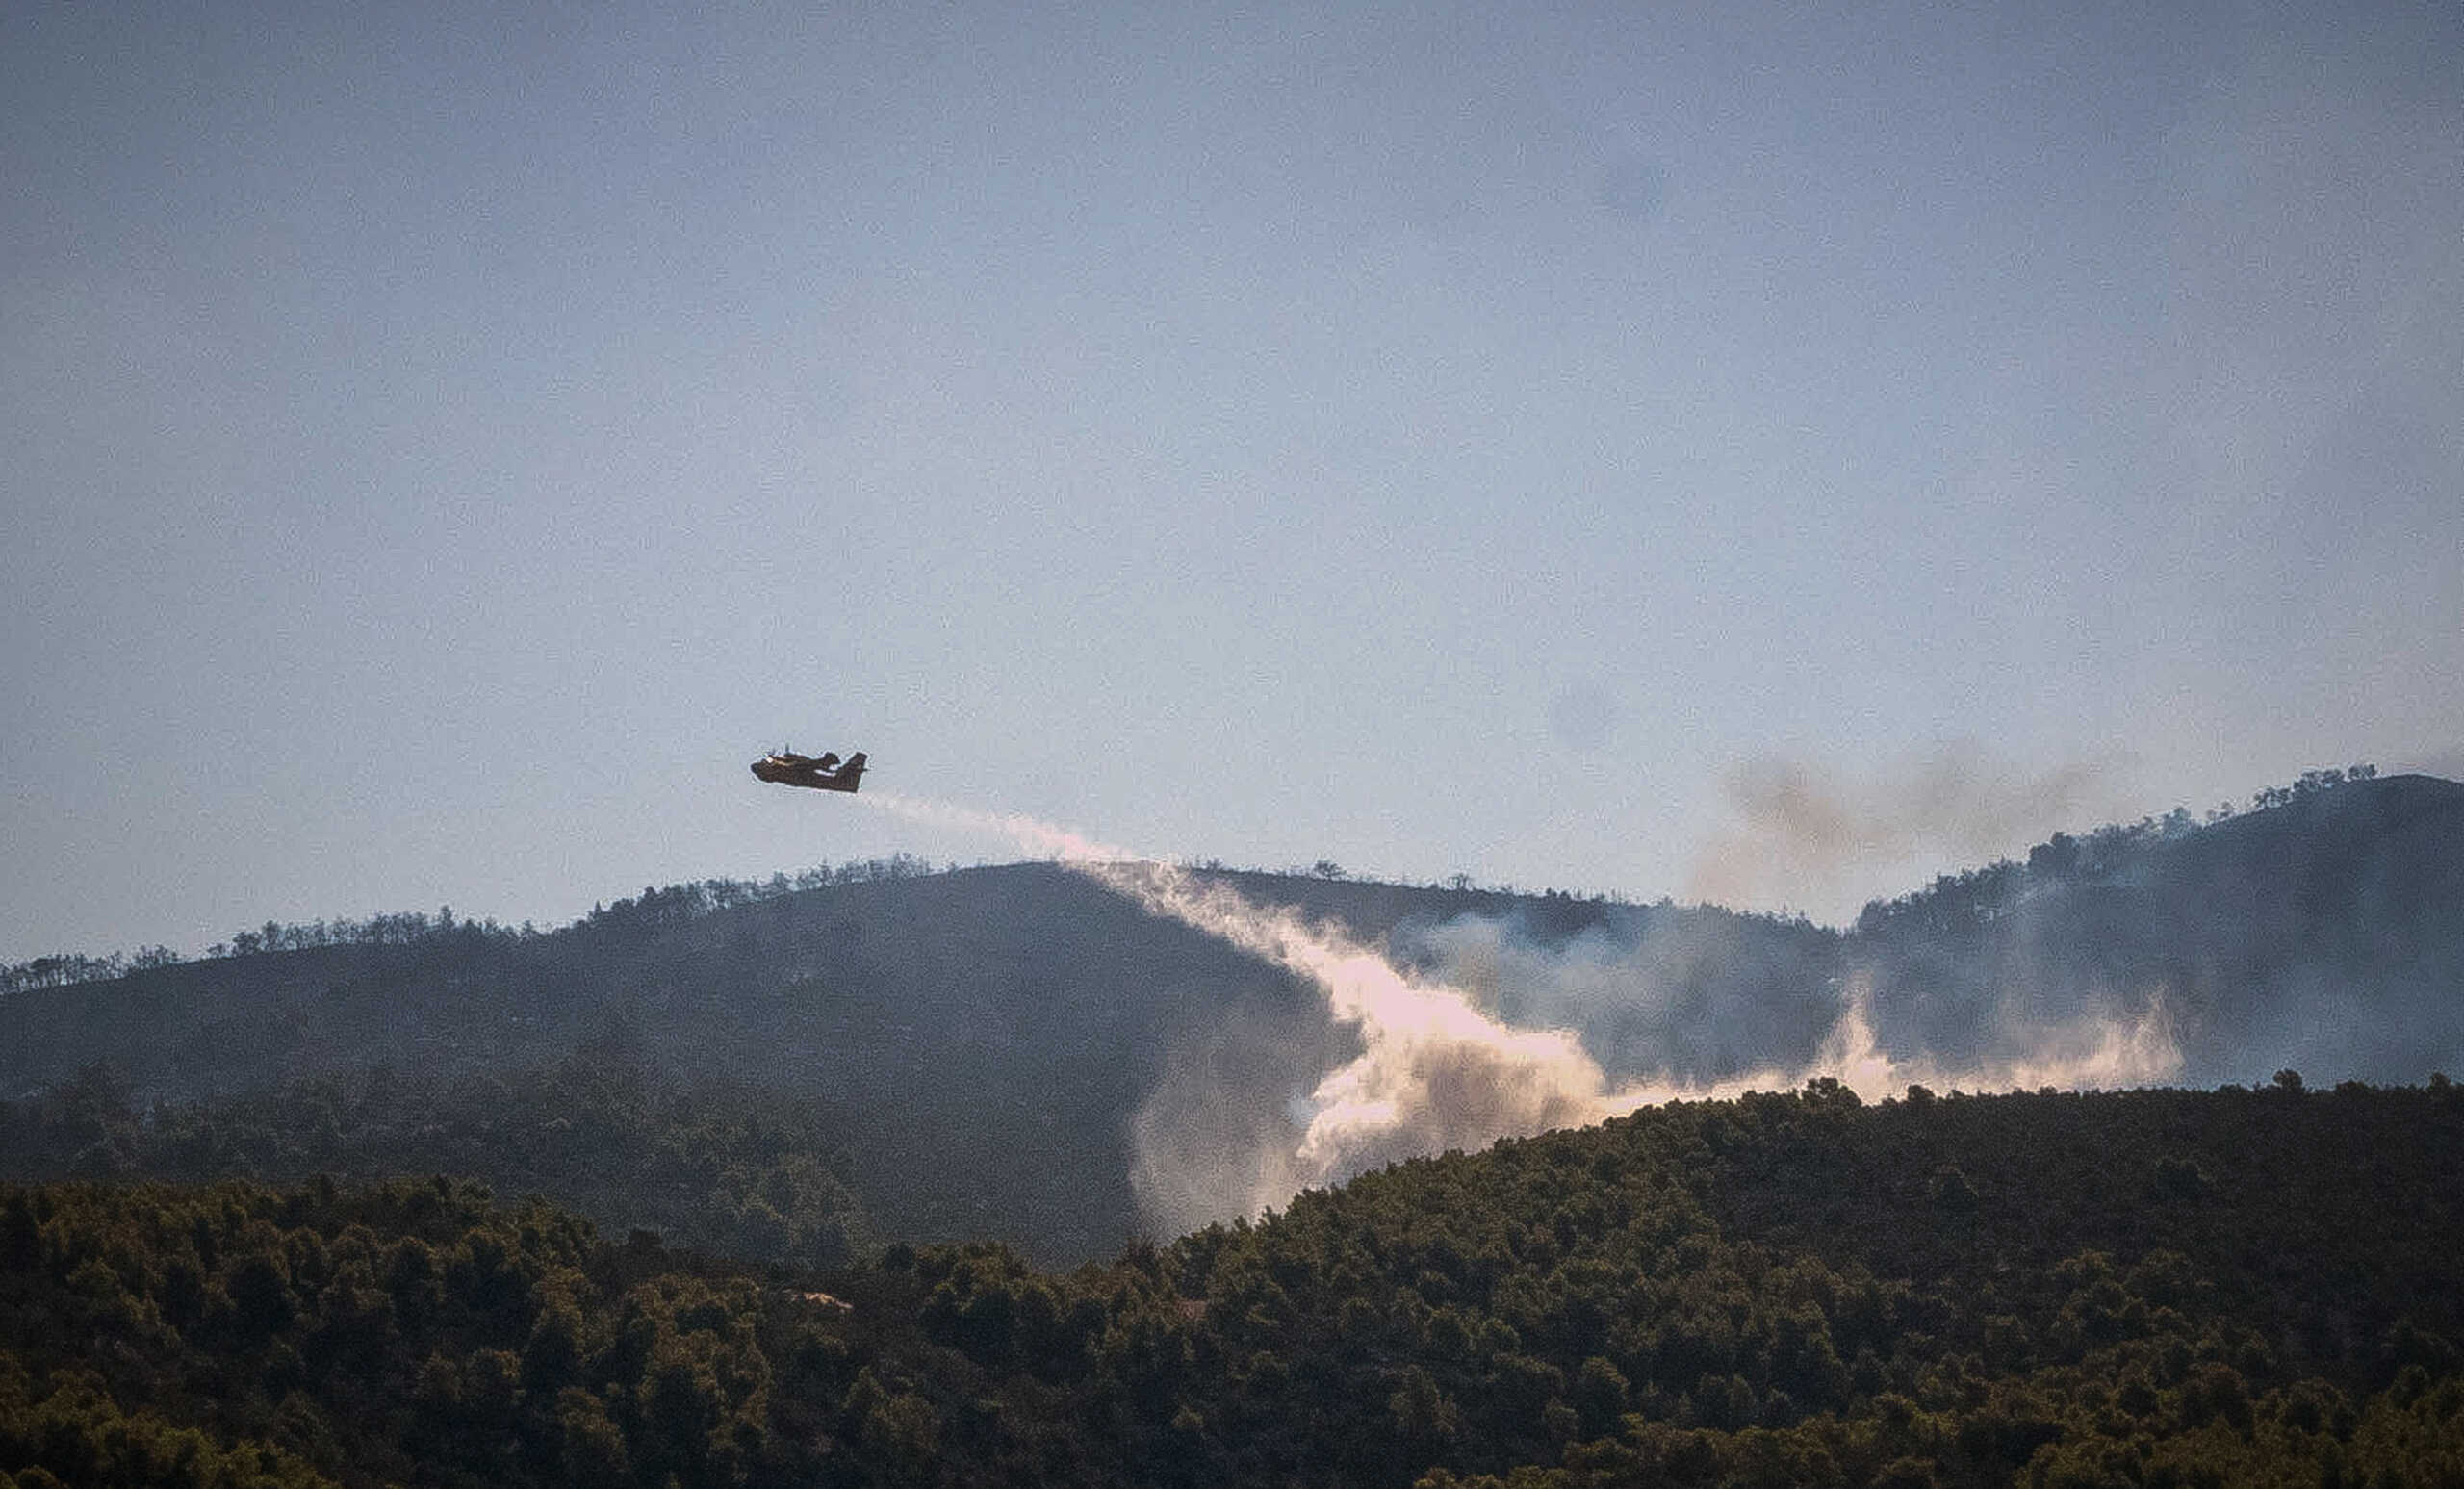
x=797, y=770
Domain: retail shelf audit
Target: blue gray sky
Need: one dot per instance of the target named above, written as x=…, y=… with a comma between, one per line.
x=444, y=443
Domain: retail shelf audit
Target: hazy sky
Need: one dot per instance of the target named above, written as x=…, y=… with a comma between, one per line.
x=439, y=451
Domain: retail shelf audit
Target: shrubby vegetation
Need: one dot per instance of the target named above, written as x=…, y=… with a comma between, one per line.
x=2142, y=1289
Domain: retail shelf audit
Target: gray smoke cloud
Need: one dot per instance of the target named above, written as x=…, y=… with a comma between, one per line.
x=1665, y=994
x=1700, y=997
x=1817, y=840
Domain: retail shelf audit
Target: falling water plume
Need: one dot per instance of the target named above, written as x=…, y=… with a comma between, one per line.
x=1435, y=1071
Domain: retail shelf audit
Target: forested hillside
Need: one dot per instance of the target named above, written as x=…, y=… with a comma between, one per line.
x=2150, y=1288
x=746, y=1171
x=983, y=1035
x=983, y=1041
x=2323, y=931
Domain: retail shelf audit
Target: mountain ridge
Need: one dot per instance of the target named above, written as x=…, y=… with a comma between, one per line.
x=992, y=1034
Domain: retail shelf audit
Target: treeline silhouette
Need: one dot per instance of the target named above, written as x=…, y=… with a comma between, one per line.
x=2245, y=1287
x=1988, y=890
x=654, y=908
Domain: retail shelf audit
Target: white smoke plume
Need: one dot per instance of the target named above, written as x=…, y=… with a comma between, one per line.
x=1434, y=1071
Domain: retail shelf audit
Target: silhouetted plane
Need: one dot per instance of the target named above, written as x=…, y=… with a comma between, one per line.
x=785, y=767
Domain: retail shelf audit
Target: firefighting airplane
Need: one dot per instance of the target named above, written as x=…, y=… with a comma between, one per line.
x=785, y=767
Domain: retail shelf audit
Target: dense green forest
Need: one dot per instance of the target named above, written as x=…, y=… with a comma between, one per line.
x=2134, y=1288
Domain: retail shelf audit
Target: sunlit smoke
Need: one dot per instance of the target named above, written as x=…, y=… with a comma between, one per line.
x=2095, y=1053
x=1436, y=1072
